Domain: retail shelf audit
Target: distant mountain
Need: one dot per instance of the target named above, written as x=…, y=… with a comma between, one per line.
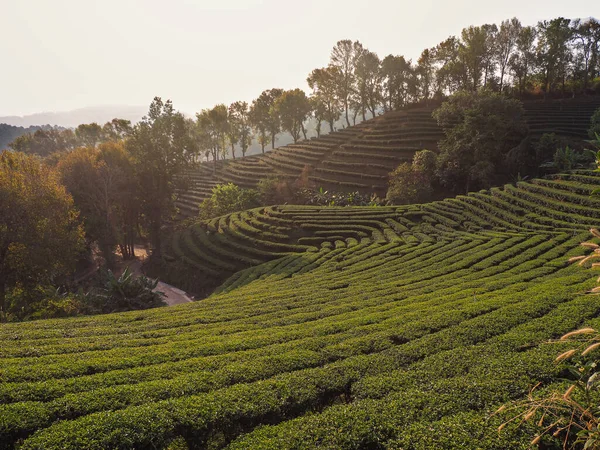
x=71, y=119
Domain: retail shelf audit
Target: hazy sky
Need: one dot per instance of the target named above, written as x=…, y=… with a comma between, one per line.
x=64, y=54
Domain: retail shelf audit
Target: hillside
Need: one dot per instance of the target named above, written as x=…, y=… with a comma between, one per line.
x=359, y=158
x=348, y=328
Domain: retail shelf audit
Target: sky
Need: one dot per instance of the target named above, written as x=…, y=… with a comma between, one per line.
x=58, y=55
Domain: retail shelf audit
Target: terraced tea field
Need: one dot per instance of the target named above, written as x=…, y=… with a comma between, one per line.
x=338, y=328
x=360, y=158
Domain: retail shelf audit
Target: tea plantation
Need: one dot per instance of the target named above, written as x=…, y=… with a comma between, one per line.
x=359, y=158
x=355, y=328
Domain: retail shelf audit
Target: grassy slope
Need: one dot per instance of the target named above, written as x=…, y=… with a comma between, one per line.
x=364, y=328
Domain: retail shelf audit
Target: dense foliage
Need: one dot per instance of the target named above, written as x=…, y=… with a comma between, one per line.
x=8, y=133
x=103, y=185
x=413, y=183
x=161, y=145
x=40, y=234
x=228, y=198
x=480, y=130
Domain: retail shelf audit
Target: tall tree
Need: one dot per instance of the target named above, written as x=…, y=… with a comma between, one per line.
x=344, y=56
x=522, y=62
x=587, y=35
x=367, y=74
x=425, y=73
x=480, y=128
x=488, y=58
x=293, y=108
x=553, y=50
x=265, y=118
x=40, y=233
x=239, y=114
x=89, y=134
x=395, y=72
x=104, y=188
x=451, y=73
x=473, y=49
x=506, y=42
x=233, y=129
x=323, y=83
x=116, y=130
x=162, y=146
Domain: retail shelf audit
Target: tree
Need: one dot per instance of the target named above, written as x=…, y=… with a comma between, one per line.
x=40, y=233
x=523, y=60
x=211, y=131
x=89, y=135
x=587, y=35
x=264, y=117
x=323, y=83
x=553, y=50
x=480, y=129
x=162, y=146
x=451, y=73
x=395, y=72
x=505, y=44
x=319, y=112
x=344, y=56
x=116, y=130
x=232, y=130
x=45, y=142
x=472, y=50
x=367, y=74
x=425, y=73
x=239, y=115
x=488, y=59
x=104, y=188
x=408, y=185
x=293, y=108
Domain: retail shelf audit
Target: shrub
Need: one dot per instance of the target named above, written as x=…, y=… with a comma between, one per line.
x=124, y=293
x=545, y=149
x=408, y=184
x=425, y=161
x=228, y=198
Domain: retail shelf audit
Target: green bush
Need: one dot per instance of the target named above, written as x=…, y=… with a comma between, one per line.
x=228, y=198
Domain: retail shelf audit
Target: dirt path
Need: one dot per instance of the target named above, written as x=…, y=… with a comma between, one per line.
x=173, y=296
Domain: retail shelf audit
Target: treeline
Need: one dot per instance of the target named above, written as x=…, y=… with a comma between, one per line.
x=554, y=57
x=116, y=186
x=46, y=141
x=559, y=56
x=8, y=133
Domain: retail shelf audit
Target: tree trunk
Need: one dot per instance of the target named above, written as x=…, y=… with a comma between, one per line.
x=303, y=131
x=233, y=150
x=262, y=147
x=501, y=79
x=346, y=108
x=273, y=141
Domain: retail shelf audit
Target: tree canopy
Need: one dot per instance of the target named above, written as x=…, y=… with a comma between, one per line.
x=40, y=232
x=480, y=128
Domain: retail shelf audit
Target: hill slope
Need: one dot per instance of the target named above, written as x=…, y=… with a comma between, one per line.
x=365, y=328
x=360, y=158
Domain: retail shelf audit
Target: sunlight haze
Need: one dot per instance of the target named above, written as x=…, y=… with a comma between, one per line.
x=71, y=54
